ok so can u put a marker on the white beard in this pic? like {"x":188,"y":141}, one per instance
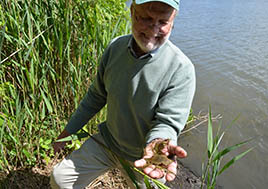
{"x":151,"y":45}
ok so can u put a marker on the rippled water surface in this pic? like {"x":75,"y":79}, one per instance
{"x":228,"y":43}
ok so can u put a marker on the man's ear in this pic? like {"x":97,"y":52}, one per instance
{"x":131,"y":9}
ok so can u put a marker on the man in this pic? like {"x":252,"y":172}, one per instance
{"x":148,"y":85}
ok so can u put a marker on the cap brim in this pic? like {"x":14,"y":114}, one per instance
{"x":171,"y":3}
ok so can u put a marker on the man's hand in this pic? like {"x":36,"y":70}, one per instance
{"x":168,"y":150}
{"x":58,"y":146}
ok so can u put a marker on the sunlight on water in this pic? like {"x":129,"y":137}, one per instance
{"x":228,"y":43}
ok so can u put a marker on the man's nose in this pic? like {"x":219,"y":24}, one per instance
{"x":155,"y":28}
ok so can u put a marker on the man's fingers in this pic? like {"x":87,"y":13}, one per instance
{"x":156,"y":174}
{"x":153,"y":172}
{"x":150,"y":170}
{"x":172,"y":171}
{"x":140,"y":163}
{"x":147,"y":170}
{"x":171,"y":151}
{"x":172,"y":167}
{"x":148,"y":151}
{"x":178,"y":151}
{"x":170,"y":177}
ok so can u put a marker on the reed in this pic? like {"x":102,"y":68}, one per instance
{"x":49,"y":52}
{"x":212,"y":169}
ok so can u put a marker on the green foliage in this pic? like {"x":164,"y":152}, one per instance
{"x":212,"y":169}
{"x":49,"y":52}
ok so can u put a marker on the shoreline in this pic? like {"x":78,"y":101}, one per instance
{"x":185,"y":179}
{"x":38,"y":177}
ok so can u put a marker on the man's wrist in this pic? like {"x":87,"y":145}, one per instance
{"x":154,"y":140}
{"x":64,"y":134}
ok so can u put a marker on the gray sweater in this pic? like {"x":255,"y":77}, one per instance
{"x":146,"y":98}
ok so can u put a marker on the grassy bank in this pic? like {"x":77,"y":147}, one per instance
{"x":49,"y":51}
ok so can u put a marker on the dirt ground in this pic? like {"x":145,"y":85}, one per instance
{"x":38,"y":178}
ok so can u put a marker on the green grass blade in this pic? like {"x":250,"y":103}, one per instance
{"x":231,"y":148}
{"x":28,"y":111}
{"x":218,"y":141}
{"x":160,"y":185}
{"x":156,"y":182}
{"x":147,"y":183}
{"x":2,"y":33}
{"x":127,"y":168}
{"x":48,"y":105}
{"x":210,"y":135}
{"x":2,"y":124}
{"x":77,"y":136}
{"x":67,"y":139}
{"x":232,"y":161}
{"x":114,"y":31}
{"x":216,"y":167}
{"x":27,"y":154}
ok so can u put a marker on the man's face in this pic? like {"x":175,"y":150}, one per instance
{"x":151,"y":25}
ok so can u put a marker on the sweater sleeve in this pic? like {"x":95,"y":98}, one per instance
{"x":174,"y":105}
{"x":92,"y":103}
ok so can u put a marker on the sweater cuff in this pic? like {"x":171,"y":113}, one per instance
{"x":163,"y":134}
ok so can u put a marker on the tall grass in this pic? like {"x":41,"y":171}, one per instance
{"x":49,"y":52}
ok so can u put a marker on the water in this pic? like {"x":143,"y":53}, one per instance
{"x":228,"y":43}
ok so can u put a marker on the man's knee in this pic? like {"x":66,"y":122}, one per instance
{"x":55,"y":178}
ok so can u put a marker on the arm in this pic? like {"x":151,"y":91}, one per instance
{"x":170,"y":117}
{"x":174,"y":106}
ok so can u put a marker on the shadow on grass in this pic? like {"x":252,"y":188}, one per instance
{"x":24,"y":178}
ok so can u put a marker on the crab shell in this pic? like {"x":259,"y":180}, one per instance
{"x":159,"y":146}
{"x":159,"y":160}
